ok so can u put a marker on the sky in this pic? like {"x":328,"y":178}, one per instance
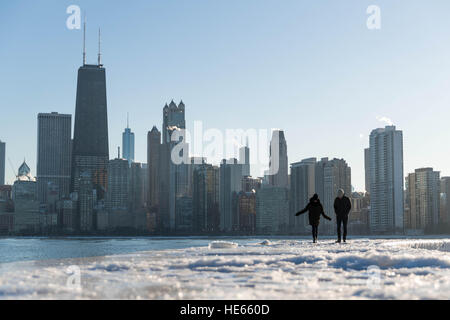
{"x":311,"y":68}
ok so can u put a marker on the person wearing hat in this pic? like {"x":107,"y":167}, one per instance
{"x":315,"y":210}
{"x":342,"y":207}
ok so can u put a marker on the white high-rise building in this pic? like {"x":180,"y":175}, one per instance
{"x":386,"y":180}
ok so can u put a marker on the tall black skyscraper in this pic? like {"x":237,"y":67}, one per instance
{"x":90,"y":151}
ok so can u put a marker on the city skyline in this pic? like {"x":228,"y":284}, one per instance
{"x":424,"y":130}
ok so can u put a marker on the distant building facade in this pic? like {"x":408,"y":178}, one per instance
{"x":246,"y":211}
{"x":386,"y":181}
{"x":423,"y":200}
{"x":26,"y":205}
{"x":331,"y":175}
{"x":278,"y":166}
{"x":128,"y":145}
{"x":230,"y":185}
{"x":302,"y":188}
{"x":54,"y":154}
{"x":272,"y":210}
{"x":153,"y":170}
{"x":172,"y":176}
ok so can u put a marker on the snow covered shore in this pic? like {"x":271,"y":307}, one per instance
{"x":276,"y":269}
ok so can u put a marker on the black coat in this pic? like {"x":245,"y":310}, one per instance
{"x":342,"y":206}
{"x":315,"y":209}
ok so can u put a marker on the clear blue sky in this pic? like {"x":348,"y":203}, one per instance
{"x":311,"y":68}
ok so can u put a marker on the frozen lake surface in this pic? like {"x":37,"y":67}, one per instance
{"x":245,"y":268}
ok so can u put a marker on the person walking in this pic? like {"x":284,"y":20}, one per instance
{"x":315,"y":210}
{"x":342,"y":207}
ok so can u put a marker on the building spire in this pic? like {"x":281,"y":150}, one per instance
{"x":84,"y":41}
{"x":128,"y":120}
{"x":99,"y":47}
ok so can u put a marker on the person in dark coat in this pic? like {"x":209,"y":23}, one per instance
{"x":342,"y":207}
{"x":315,"y":210}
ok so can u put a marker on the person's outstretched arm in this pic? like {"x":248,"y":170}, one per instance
{"x":325,"y":216}
{"x":303,"y":211}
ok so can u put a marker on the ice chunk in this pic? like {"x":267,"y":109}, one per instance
{"x":222,"y":245}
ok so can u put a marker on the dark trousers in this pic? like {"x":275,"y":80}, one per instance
{"x":342,"y":220}
{"x":315,"y":231}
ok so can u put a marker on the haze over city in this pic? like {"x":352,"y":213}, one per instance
{"x":314,"y":71}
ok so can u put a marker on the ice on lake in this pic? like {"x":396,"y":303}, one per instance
{"x":285,"y":269}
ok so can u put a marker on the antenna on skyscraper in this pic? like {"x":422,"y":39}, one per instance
{"x":128,"y":121}
{"x":84,"y":40}
{"x":99,"y":47}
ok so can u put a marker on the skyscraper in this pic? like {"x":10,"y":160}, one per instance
{"x":173,"y":117}
{"x":2,"y":162}
{"x":244,"y":159}
{"x":153,"y":171}
{"x":136,"y":187}
{"x":206,"y":198}
{"x":331,"y":175}
{"x":86,"y":196}
{"x":278,"y":167}
{"x":53,"y":154}
{"x":128,"y":144}
{"x":386,"y":180}
{"x":423,"y":200}
{"x":302,"y":188}
{"x":272,"y":209}
{"x":90,"y":151}
{"x":246,"y":211}
{"x":172,"y":176}
{"x":118,"y":195}
{"x":230,"y":183}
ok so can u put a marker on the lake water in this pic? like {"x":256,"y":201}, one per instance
{"x":26,"y":249}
